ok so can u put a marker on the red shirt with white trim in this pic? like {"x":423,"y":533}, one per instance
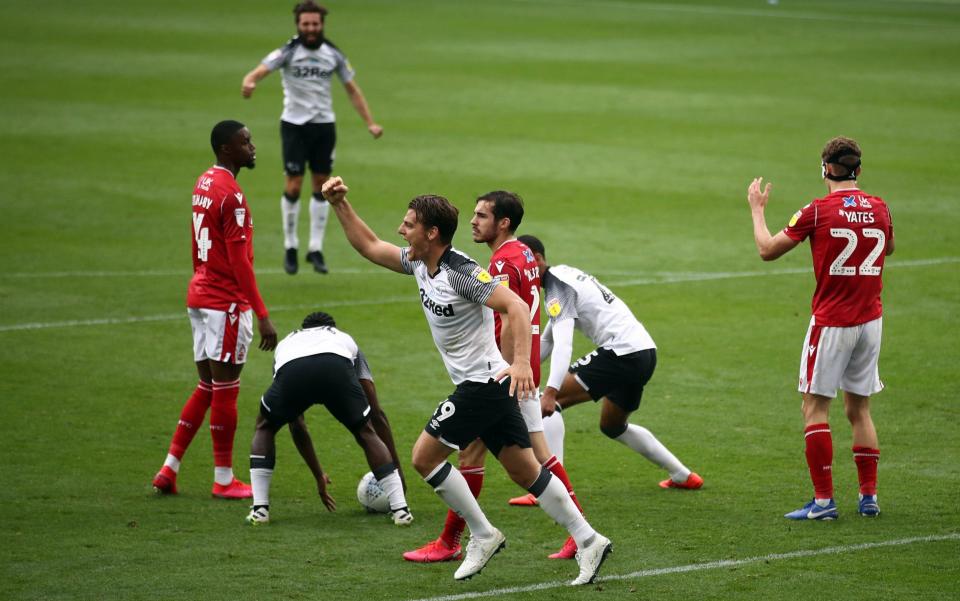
{"x":221,"y":215}
{"x":513,"y":266}
{"x":849,"y":233}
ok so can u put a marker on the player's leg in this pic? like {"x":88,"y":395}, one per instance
{"x":262,"y":463}
{"x":860,"y":380}
{"x":378,"y":418}
{"x":384,"y":470}
{"x":294,"y":166}
{"x":323,"y":138}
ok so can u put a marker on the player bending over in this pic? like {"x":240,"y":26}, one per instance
{"x":850,"y":233}
{"x":457,"y":296}
{"x":616,"y":371}
{"x":320,"y":364}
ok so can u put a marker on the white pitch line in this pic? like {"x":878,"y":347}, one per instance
{"x":670,"y":277}
{"x":698,"y":567}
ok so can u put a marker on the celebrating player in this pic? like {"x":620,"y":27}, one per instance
{"x":321,"y":364}
{"x":850,"y":233}
{"x":457,"y":296}
{"x":219,"y":300}
{"x":307,"y":126}
{"x":616,"y":371}
{"x":495,"y":220}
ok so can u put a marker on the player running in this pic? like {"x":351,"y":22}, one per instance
{"x":457,"y":296}
{"x":495,"y":221}
{"x":850,"y":233}
{"x":219,"y":300}
{"x":616,"y":371}
{"x":322,"y":364}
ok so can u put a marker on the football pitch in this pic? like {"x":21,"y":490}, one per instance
{"x":632,"y":130}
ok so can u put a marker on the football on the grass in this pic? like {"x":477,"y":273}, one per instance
{"x":371,"y":495}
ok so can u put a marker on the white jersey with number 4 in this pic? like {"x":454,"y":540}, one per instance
{"x":462,"y":326}
{"x":602,"y":317}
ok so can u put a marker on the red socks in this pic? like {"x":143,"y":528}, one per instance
{"x":556,"y":468}
{"x":453,"y":527}
{"x":223,"y":421}
{"x":191,"y":417}
{"x":867,"y":460}
{"x":819,"y":445}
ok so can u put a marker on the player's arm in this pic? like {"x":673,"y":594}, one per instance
{"x":251,"y":79}
{"x":507,"y":302}
{"x":506,"y":334}
{"x":561,"y":334}
{"x":378,"y":419}
{"x":358,"y":233}
{"x":359,"y":102}
{"x":304,"y":444}
{"x":769,"y":247}
{"x":546,"y":341}
{"x":247,"y":281}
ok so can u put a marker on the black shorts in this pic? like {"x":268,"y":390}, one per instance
{"x":311,"y":143}
{"x":619,"y":378}
{"x":326,"y":379}
{"x":480,"y":410}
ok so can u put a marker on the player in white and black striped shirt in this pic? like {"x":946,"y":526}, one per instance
{"x":458,"y":297}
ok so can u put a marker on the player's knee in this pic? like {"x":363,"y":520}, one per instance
{"x":613,"y":430}
{"x":291,"y":195}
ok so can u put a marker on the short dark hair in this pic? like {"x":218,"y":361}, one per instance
{"x":533,"y":243}
{"x":223,"y":132}
{"x":433,"y":210}
{"x":843,"y":152}
{"x":506,"y":205}
{"x":318,"y":319}
{"x":308,"y":6}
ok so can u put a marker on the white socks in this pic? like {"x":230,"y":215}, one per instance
{"x":318,"y":223}
{"x":557,"y":503}
{"x":290,"y":214}
{"x":173,"y":463}
{"x":223,"y":475}
{"x":260,"y":481}
{"x":644,"y":442}
{"x":554,"y":431}
{"x":391,"y":485}
{"x":456,"y":494}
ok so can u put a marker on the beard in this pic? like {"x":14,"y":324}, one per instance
{"x":311,"y":42}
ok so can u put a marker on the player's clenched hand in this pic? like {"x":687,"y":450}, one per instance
{"x":248,"y":88}
{"x":334,"y":190}
{"x":548,"y":401}
{"x":375,"y":130}
{"x":268,"y":334}
{"x":755,"y":197}
{"x":328,"y":501}
{"x":521,"y":378}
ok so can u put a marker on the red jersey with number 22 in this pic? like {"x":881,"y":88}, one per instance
{"x":220,"y":215}
{"x":513,"y":266}
{"x":849,"y":233}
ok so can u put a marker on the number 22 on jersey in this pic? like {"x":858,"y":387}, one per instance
{"x":202,"y":236}
{"x":867,"y":267}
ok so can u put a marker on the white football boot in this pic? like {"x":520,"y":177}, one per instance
{"x":591,"y":558}
{"x":402,"y":516}
{"x":259,"y":516}
{"x":479,"y":552}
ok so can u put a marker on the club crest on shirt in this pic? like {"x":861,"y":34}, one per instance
{"x":240,"y":215}
{"x":482,"y":275}
{"x":795,"y":218}
{"x":553,"y":307}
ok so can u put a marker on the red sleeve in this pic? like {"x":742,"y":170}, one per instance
{"x":243,"y":272}
{"x":234,"y":217}
{"x":508,"y":274}
{"x":802,"y":223}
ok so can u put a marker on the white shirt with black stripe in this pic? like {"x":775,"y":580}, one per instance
{"x":602,"y":317}
{"x":307,"y":74}
{"x":461,"y":325}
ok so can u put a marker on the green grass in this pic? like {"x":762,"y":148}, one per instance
{"x":632,"y":130}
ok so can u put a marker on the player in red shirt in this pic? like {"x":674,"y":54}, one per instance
{"x":221,"y":297}
{"x":850,"y":233}
{"x":495,"y":221}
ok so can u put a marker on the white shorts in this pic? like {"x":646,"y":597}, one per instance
{"x":844,"y":358}
{"x":530,"y":409}
{"x":223,"y":336}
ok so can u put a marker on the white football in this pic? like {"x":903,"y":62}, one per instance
{"x":371,"y":495}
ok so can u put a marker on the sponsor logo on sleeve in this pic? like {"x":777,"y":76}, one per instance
{"x":499,"y":265}
{"x":553,"y":307}
{"x":239,"y":196}
{"x":482,"y":275}
{"x":795,"y":218}
{"x":504,"y":280}
{"x":241,"y":216}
